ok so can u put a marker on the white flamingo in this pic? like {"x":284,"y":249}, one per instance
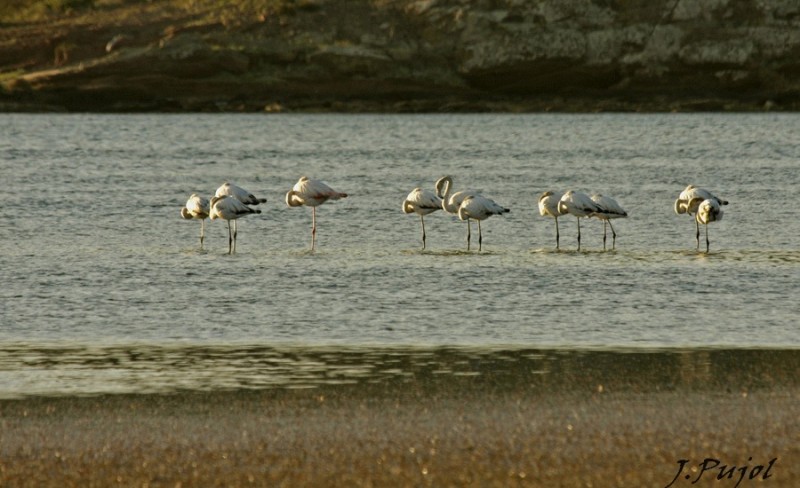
{"x":422,"y":202}
{"x":578,"y":204}
{"x":197,"y":207}
{"x":708,"y":211}
{"x":548,"y":207}
{"x":452,"y":202}
{"x":609,"y":209}
{"x":479,"y":208}
{"x":229,"y":208}
{"x":311,"y":193}
{"x":688,"y":202}
{"x":239,"y":193}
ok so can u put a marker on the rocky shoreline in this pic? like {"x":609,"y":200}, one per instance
{"x":407,"y":56}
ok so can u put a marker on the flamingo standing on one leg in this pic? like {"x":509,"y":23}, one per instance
{"x":422,"y":202}
{"x":578,"y":204}
{"x":708,"y":211}
{"x":229,"y":208}
{"x":239,"y":193}
{"x":479,"y":208}
{"x":548,"y":207}
{"x":609,"y":209}
{"x":452,"y":202}
{"x":688,"y":201}
{"x":311,"y":193}
{"x":197,"y":207}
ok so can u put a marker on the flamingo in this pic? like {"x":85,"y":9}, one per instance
{"x":197,"y":207}
{"x":451,"y":203}
{"x":312,"y":193}
{"x":479,"y":208}
{"x":578,"y":204}
{"x":239,"y":193}
{"x":688,"y":202}
{"x":708,"y":210}
{"x":422,"y":202}
{"x":609,"y":209}
{"x":229,"y":208}
{"x":548,"y":206}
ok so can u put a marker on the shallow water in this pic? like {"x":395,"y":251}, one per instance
{"x":79,"y":370}
{"x":95,"y":255}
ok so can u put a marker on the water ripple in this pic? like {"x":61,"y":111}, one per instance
{"x":34,"y":370}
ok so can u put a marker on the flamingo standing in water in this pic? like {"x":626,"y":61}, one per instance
{"x":229,"y":208}
{"x":609,"y":209}
{"x":452,"y":202}
{"x":422,"y":202}
{"x":479,"y":208}
{"x":688,"y":202}
{"x":197,"y":207}
{"x":548,"y":207}
{"x":311,"y":193}
{"x":239,"y":193}
{"x":578,"y":204}
{"x":708,"y":211}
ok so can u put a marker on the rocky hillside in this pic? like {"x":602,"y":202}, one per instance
{"x":402,"y":55}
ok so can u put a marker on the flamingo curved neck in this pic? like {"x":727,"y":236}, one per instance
{"x":443,"y":190}
{"x":293,"y":199}
{"x":680,"y":206}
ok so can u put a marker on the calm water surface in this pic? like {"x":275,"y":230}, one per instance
{"x":95,"y":257}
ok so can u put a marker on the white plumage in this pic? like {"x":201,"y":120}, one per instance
{"x":578,"y":204}
{"x":689,"y":200}
{"x":548,"y":207}
{"x":228,"y":208}
{"x":422,"y":202}
{"x":479,"y":208}
{"x":232,"y":190}
{"x":708,"y":211}
{"x":452,"y":202}
{"x":608,"y":209}
{"x":238,"y":193}
{"x":197,"y":207}
{"x":311,"y":193}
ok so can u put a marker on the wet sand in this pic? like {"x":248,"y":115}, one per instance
{"x":621,"y":420}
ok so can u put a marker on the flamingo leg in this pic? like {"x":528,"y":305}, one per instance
{"x":480,"y":237}
{"x":707,"y":243}
{"x":230,"y":239}
{"x":313,"y":226}
{"x":202,"y":231}
{"x":422,"y":221}
{"x":613,"y":235}
{"x":469,"y":231}
{"x":557,"y":236}
{"x":235,"y":234}
{"x":697,"y":235}
{"x":579,"y":233}
{"x":604,"y":234}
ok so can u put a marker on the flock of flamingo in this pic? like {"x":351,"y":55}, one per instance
{"x":231,"y":202}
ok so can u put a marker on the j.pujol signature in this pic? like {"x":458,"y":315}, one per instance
{"x":711,"y":467}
